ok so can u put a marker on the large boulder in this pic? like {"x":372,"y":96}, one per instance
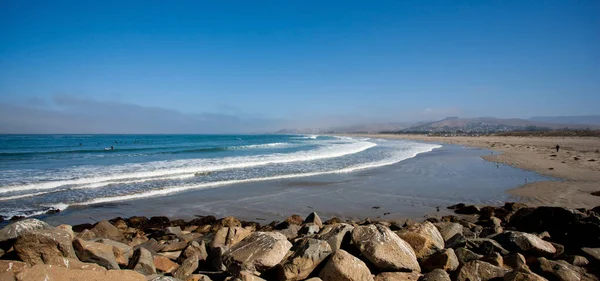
{"x":42,"y":272}
{"x":257,"y":252}
{"x":465,"y":255}
{"x":8,"y":269}
{"x":424,"y":238}
{"x":384,"y":248}
{"x":561,"y":270}
{"x":307,"y":256}
{"x":142,"y":262}
{"x":105,"y":229}
{"x":342,"y":266}
{"x":338,"y":234}
{"x":398,"y":276}
{"x":99,"y":253}
{"x":525,"y":243}
{"x":13,"y":230}
{"x":35,"y":246}
{"x":445,"y":260}
{"x":479,"y":270}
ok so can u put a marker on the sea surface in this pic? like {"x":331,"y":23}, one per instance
{"x":39,"y":173}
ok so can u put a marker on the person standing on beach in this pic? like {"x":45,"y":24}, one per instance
{"x":557,"y":147}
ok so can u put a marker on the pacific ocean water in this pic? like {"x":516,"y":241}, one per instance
{"x":44,"y":172}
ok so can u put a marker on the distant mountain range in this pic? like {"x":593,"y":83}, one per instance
{"x":588,"y":119}
{"x":453,"y":124}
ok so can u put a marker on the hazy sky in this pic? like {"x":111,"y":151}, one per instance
{"x":218,"y":66}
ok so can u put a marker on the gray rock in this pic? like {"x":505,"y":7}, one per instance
{"x":384,"y":248}
{"x":291,"y":232}
{"x":479,"y":270}
{"x":342,"y":266}
{"x":35,"y":246}
{"x":592,"y":253}
{"x":336,"y":236}
{"x":186,"y":268}
{"x":257,"y":252}
{"x":105,"y":229}
{"x":142,"y":262}
{"x":456,"y":241}
{"x":162,"y":278}
{"x":306,"y":257}
{"x":575,"y":260}
{"x":449,"y":229}
{"x":485,"y":246}
{"x":98,"y":253}
{"x":13,"y":230}
{"x":525,"y":243}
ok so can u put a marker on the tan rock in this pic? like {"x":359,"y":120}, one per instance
{"x":42,"y":272}
{"x":121,"y":251}
{"x":142,"y":262}
{"x":398,"y":276}
{"x":307,"y":256}
{"x":198,"y":277}
{"x":73,"y":264}
{"x":194,"y":248}
{"x":105,"y":229}
{"x":424,"y":238}
{"x":436,"y":275}
{"x":68,"y":229}
{"x":86,"y":234}
{"x":338,"y":233}
{"x":186,"y":268}
{"x":314,"y":218}
{"x":523,"y":274}
{"x":173,"y":246}
{"x":342,"y":266}
{"x":164,"y":264}
{"x":257,"y":252}
{"x":384,"y":248}
{"x":95,"y":252}
{"x":8,"y":269}
{"x":525,"y":243}
{"x":445,"y":260}
{"x":229,"y":236}
{"x":449,"y":229}
{"x":35,"y":246}
{"x":479,"y":270}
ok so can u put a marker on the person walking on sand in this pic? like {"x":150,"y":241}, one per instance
{"x":557,"y":147}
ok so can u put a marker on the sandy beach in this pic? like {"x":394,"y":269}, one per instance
{"x":577,"y":164}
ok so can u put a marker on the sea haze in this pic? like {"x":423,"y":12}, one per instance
{"x":43,"y":172}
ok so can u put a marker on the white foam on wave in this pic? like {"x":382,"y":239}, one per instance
{"x":191,"y":166}
{"x":24,"y":195}
{"x":400,"y":156}
{"x":265,"y":145}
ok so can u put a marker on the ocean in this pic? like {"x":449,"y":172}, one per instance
{"x":39,"y":173}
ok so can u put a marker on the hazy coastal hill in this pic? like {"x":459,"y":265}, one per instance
{"x":587,"y":120}
{"x":491,"y":124}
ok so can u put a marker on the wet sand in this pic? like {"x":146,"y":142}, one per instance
{"x":408,"y":189}
{"x":577,"y":164}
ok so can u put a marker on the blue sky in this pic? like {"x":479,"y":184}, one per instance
{"x":303,"y":63}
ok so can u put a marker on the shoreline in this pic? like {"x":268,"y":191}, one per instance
{"x":577,"y":164}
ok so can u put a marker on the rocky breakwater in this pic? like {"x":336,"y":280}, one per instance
{"x":512,"y":242}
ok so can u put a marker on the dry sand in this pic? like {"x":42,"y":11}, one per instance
{"x":577,"y":165}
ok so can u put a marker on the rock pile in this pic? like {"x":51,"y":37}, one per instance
{"x":512,"y":243}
